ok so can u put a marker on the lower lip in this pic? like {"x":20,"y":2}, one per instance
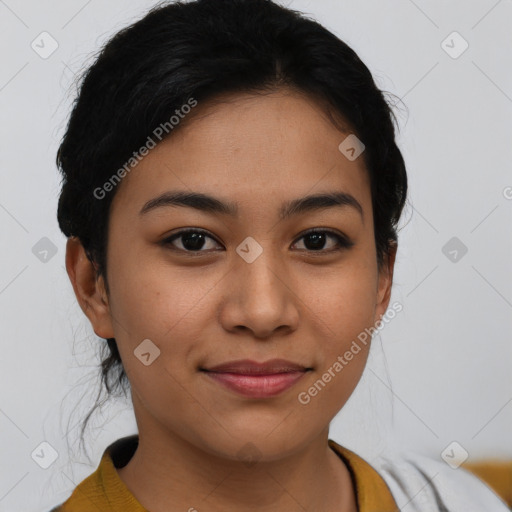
{"x":257,"y":386}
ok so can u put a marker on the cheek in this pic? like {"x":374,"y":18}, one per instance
{"x":343,"y":299}
{"x":166,"y":306}
{"x":342,"y":308}
{"x":152,"y":298}
{"x":166,"y":309}
{"x":342,"y":348}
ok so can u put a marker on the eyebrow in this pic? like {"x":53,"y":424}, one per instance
{"x":210,"y":204}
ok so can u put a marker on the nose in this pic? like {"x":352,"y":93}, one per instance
{"x":262,"y":298}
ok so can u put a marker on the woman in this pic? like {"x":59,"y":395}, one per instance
{"x":231,"y":193}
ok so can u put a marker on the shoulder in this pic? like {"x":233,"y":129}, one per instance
{"x":104,"y":487}
{"x":419,"y":481}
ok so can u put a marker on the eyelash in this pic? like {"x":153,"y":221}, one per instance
{"x":343,"y":242}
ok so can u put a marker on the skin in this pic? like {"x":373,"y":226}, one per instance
{"x":292,"y":302}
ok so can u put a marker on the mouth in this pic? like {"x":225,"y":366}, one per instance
{"x":257,"y":380}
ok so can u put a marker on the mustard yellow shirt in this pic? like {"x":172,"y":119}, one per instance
{"x":104,"y":490}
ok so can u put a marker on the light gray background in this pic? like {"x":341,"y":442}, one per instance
{"x":447,"y":355}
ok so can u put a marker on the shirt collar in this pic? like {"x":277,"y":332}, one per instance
{"x":372,"y":493}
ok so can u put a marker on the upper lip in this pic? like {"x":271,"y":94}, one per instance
{"x":246,"y":366}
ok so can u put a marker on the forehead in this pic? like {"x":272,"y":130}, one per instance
{"x":252,"y":148}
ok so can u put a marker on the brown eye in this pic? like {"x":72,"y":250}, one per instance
{"x":192,"y":240}
{"x":315,"y":240}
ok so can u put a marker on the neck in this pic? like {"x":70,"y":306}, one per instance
{"x":169,"y":470}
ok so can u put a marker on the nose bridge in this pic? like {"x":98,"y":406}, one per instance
{"x":260,"y":266}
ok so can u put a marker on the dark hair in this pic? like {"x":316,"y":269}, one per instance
{"x":202,"y":49}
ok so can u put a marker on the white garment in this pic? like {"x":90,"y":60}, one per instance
{"x":421,"y":484}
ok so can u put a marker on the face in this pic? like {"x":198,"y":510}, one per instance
{"x":247,"y":284}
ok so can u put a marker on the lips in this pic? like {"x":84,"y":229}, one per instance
{"x":257,"y":380}
{"x":249,"y":367}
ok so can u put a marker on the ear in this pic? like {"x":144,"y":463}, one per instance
{"x":89,"y":289}
{"x":385,"y":282}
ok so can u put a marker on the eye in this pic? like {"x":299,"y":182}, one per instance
{"x":193,"y":240}
{"x":315,"y":240}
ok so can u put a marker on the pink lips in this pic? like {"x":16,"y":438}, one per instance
{"x":257,"y":380}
